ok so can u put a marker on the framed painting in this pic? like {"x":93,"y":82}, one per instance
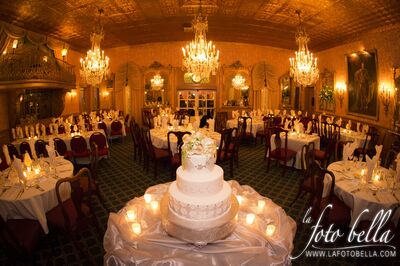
{"x":362,"y":80}
{"x":327,"y":81}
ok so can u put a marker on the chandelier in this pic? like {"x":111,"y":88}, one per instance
{"x":94,"y":68}
{"x":157,"y":82}
{"x":238,"y":82}
{"x":303,"y":67}
{"x":200,"y":57}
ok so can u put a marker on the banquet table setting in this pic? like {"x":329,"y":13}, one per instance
{"x":35,"y":196}
{"x":257,"y":125}
{"x":159,"y":137}
{"x":296,"y":141}
{"x":135,"y":234}
{"x":354,"y":136}
{"x":352,"y":186}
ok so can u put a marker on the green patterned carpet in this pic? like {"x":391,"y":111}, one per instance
{"x":121,"y":179}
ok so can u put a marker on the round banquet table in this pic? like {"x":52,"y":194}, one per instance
{"x":159,"y":137}
{"x":247,"y":245}
{"x":358,"y":196}
{"x":39,"y":195}
{"x":258,"y":124}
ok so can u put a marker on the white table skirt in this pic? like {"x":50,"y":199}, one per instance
{"x":33,"y":203}
{"x":352,"y":136}
{"x":159,"y":138}
{"x":247,"y":245}
{"x":258,"y":124}
{"x":346,"y":185}
{"x":296,"y":143}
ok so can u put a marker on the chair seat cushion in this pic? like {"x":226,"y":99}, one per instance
{"x":339,"y":214}
{"x":116,"y":133}
{"x":103,"y":151}
{"x":85,"y":153}
{"x":160,"y":153}
{"x":175,"y":160}
{"x":55,"y":216}
{"x":319,"y":155}
{"x":280,"y":154}
{"x":27,"y":232}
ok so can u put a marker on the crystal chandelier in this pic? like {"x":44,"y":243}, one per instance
{"x":94,"y":68}
{"x":238,"y":82}
{"x":303,"y":67}
{"x":200,"y":57}
{"x":157,"y":82}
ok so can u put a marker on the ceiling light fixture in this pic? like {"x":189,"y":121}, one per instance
{"x":303,"y":67}
{"x":157,"y":82}
{"x":94,"y":68}
{"x":200,"y":58}
{"x":238,"y":82}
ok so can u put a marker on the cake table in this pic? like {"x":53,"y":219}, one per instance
{"x":265,"y":241}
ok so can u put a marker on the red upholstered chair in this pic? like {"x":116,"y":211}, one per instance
{"x":245,"y":122}
{"x":268,"y":122}
{"x":3,"y":164}
{"x":79,"y":147}
{"x":61,"y":129}
{"x":330,"y":136}
{"x":24,"y":147}
{"x":281,"y":153}
{"x":226,"y":149}
{"x":74,"y":214}
{"x":40,"y":148}
{"x":103,"y":126}
{"x":12,"y":151}
{"x":101,"y":143}
{"x":116,"y":130}
{"x":175,"y":157}
{"x":19,"y":238}
{"x":339,"y":214}
{"x":152,"y":153}
{"x":137,"y":140}
{"x":61,"y":148}
{"x":94,"y":165}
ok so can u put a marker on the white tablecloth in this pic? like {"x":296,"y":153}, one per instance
{"x":296,"y":143}
{"x":357,"y":196}
{"x":247,"y":245}
{"x":33,"y":203}
{"x":159,"y":138}
{"x":346,"y":135}
{"x":258,"y":124}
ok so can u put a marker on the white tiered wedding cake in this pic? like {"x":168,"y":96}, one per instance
{"x":201,"y":207}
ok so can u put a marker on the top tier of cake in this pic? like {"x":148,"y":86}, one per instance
{"x":198,"y":153}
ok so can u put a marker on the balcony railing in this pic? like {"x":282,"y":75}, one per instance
{"x":27,"y":67}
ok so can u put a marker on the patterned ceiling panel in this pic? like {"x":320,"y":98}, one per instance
{"x":274,"y":22}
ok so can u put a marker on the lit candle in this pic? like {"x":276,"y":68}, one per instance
{"x":36,"y":170}
{"x":28,"y":169}
{"x":261,"y":205}
{"x":147,"y":198}
{"x":362,"y":172}
{"x":239,"y":199}
{"x":250,"y":217}
{"x":154,"y":205}
{"x":136,"y":228}
{"x":270,"y":230}
{"x":131,"y":215}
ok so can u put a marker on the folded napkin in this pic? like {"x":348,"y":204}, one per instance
{"x":17,"y":165}
{"x":43,"y":127}
{"x":378,"y":149}
{"x":37,"y":128}
{"x":365,"y":129}
{"x":75,"y":128}
{"x":51,"y":151}
{"x":164,"y":121}
{"x":175,"y":124}
{"x":27,"y":159}
{"x":371,"y":164}
{"x":348,"y":150}
{"x":299,"y":113}
{"x":320,"y":119}
{"x":32,"y":131}
{"x":244,"y":113}
{"x":292,"y":113}
{"x":348,"y":126}
{"x":284,"y":113}
{"x":211,"y":123}
{"x":328,"y":120}
{"x":313,"y":116}
{"x":14,"y":136}
{"x":287,"y":124}
{"x":339,"y":122}
{"x":26,"y":131}
{"x":306,"y":114}
{"x":358,"y":127}
{"x":32,"y":146}
{"x":20,"y":133}
{"x":6,"y":154}
{"x":156,"y":120}
{"x":309,"y":127}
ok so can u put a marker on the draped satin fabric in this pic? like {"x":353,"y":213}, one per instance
{"x":247,"y":245}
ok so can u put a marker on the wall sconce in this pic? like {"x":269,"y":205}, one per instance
{"x":385,"y":97}
{"x":105,"y":93}
{"x":340,"y":91}
{"x":14,"y":45}
{"x":64,"y":53}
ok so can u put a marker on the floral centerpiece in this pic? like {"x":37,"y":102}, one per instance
{"x":326,"y":94}
{"x":198,"y":150}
